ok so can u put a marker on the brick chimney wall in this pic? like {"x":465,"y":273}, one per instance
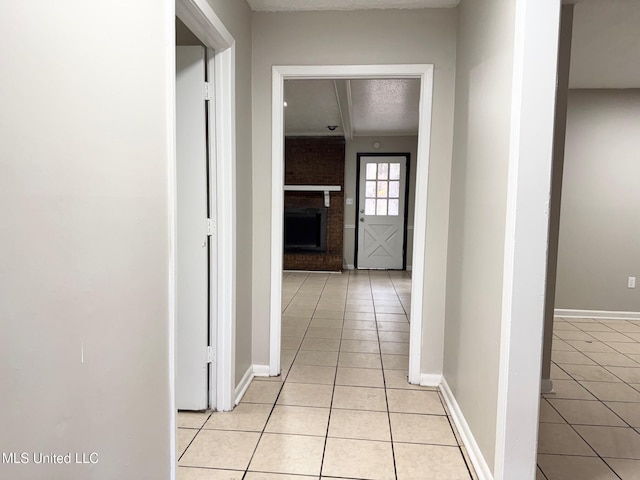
{"x":316,"y":161}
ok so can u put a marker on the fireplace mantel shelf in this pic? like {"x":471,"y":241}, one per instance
{"x":315,"y":188}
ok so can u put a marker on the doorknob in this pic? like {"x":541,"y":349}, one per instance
{"x":362,"y":219}
{"x":362,"y":210}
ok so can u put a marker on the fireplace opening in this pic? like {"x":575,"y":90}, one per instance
{"x":305,"y":229}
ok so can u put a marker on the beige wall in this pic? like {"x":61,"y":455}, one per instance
{"x":605,"y":44}
{"x":478,"y":213}
{"x":84,"y":158}
{"x":236,"y":17}
{"x":599,"y":219}
{"x":330,"y":38}
{"x":398,"y":144}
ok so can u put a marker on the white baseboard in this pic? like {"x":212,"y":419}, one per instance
{"x":244,"y":384}
{"x":469,"y":441}
{"x":348,"y":267}
{"x":261,"y":370}
{"x":430,"y":380}
{"x":608,"y":315}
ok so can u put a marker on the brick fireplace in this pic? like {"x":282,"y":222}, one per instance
{"x":316,"y":161}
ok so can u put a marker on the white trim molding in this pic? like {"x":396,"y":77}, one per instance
{"x":243,"y":384}
{"x":261,"y":370}
{"x":593,"y":314}
{"x":172,"y":193}
{"x":204,"y":23}
{"x":434,"y":342}
{"x":277,"y":207}
{"x":430,"y":380}
{"x":424,"y":72}
{"x":477,"y":459}
{"x":225,"y":128}
{"x":533,"y":93}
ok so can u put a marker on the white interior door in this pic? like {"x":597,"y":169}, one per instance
{"x":192,"y":267}
{"x":381,"y":217}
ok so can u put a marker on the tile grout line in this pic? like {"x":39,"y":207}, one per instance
{"x":275,"y":402}
{"x":602,"y":402}
{"x":456,"y":436}
{"x":597,"y":399}
{"x":597,"y":455}
{"x":384,"y":381}
{"x":335,"y":377}
{"x":294,"y":295}
{"x":578,"y":433}
{"x":194,"y":437}
{"x":605,"y":343}
{"x":572,"y":378}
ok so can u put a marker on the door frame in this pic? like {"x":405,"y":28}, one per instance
{"x":405,"y":225}
{"x":423,"y":72}
{"x":200,"y":18}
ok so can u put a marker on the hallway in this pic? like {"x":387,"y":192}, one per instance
{"x":342,"y":408}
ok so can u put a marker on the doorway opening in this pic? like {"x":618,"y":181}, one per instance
{"x":424,"y":73}
{"x":204,"y":28}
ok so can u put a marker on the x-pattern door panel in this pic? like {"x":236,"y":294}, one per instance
{"x":382,"y":186}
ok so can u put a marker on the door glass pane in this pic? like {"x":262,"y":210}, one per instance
{"x":394,"y":189}
{"x":370,"y":189}
{"x":383,"y":171}
{"x":394,"y":171}
{"x":371,"y":171}
{"x":370,"y":206}
{"x":381,"y":207}
{"x":382,"y":189}
{"x":394,"y":203}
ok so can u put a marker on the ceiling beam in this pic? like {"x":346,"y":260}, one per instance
{"x":343,"y":97}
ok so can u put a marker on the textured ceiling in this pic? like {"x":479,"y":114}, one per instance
{"x":311,"y":5}
{"x":376,"y":107}
{"x":385,"y":106}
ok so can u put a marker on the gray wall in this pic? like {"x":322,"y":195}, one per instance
{"x":398,"y":144}
{"x":236,"y":16}
{"x":600,"y":214}
{"x":605,"y":44}
{"x":329,"y":38}
{"x":478,"y":212}
{"x":84,"y":158}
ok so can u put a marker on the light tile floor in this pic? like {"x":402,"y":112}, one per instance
{"x":590,"y":427}
{"x":342,"y":408}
